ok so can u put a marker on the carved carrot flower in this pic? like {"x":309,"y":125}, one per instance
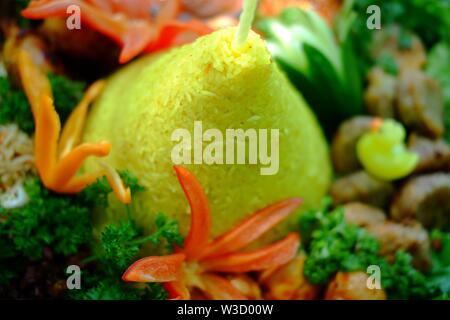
{"x":129,"y":23}
{"x":199,"y":263}
{"x":59,"y":157}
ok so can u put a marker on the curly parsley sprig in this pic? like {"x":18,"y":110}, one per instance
{"x":332,"y":245}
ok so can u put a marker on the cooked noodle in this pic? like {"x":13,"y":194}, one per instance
{"x":16,"y":156}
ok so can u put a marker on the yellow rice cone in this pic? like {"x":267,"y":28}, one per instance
{"x":208,"y":81}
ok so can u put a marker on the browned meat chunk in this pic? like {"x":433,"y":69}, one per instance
{"x":388,"y":42}
{"x":425,"y":198}
{"x":343,"y":148}
{"x":411,"y":237}
{"x":352,"y":286}
{"x":363,"y":215}
{"x":434,"y":154}
{"x":361,"y":187}
{"x":420,"y":103}
{"x":380,"y":94}
{"x":288,"y":282}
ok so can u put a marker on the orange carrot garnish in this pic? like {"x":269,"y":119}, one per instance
{"x":73,"y":128}
{"x":202,"y":261}
{"x":201,"y":216}
{"x":176,"y":290}
{"x":170,"y":34}
{"x":251,"y":229}
{"x":155,"y":269}
{"x":273,"y":255}
{"x":219,"y":288}
{"x":130,"y":25}
{"x":376,"y":124}
{"x":58,"y":160}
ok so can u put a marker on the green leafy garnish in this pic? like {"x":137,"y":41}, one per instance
{"x":99,"y":191}
{"x":9,"y":260}
{"x":16,"y":109}
{"x":320,"y":66}
{"x":47,"y":220}
{"x":332,"y":245}
{"x":166,"y":230}
{"x":440,"y":270}
{"x":430,"y":20}
{"x":438,"y":67}
{"x":114,"y":289}
{"x":119,"y":247}
{"x":67,"y":93}
{"x":402,"y":281}
{"x":19,"y":6}
{"x":414,"y":16}
{"x":63,"y":225}
{"x":131,"y":181}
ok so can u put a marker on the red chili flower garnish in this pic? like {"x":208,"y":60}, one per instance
{"x":128,"y":23}
{"x":197,"y":265}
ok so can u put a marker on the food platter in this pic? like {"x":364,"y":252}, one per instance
{"x":225,"y":150}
